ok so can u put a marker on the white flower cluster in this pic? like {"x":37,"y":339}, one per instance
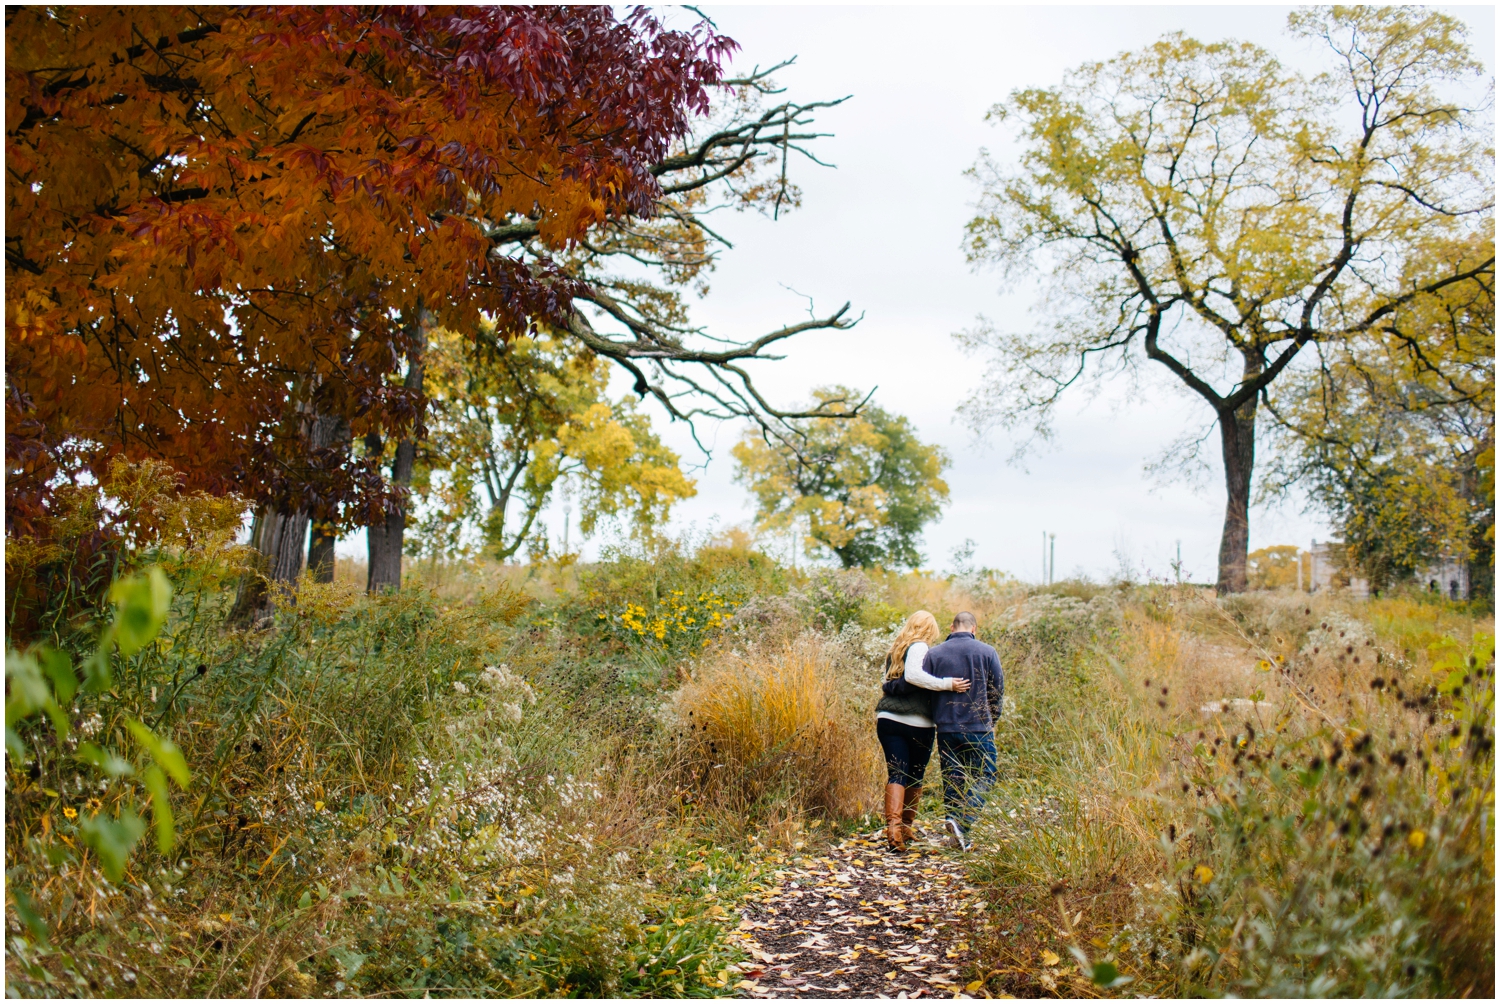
{"x":288,"y":801}
{"x":864,"y":644}
{"x":572,"y":792}
{"x":1338,"y":632}
{"x":1066,"y":611}
{"x":498,"y":678}
{"x":503,"y":682}
{"x":473,"y":816}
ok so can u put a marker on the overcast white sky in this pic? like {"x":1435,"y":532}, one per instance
{"x":882,"y":231}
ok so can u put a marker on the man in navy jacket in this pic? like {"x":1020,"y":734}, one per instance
{"x":966,"y":722}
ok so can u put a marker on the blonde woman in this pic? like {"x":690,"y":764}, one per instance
{"x":903,"y":722}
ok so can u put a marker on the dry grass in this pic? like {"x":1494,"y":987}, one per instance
{"x":459,"y":582}
{"x":788,"y":725}
{"x":371,"y":812}
{"x":374,"y":813}
{"x":1119,"y":785}
{"x":989,"y":599}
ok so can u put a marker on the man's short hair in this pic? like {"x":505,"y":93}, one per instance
{"x":964,"y":621}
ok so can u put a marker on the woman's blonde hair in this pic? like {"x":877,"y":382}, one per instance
{"x":920,"y":626}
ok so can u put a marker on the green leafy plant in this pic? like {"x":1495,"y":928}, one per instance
{"x":42,"y":682}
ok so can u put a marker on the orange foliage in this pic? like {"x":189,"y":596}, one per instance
{"x":214,"y":227}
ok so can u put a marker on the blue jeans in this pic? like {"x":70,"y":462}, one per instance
{"x":969,"y":769}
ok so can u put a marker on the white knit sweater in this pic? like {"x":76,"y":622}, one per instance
{"x":918,"y":678}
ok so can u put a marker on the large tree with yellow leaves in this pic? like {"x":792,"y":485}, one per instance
{"x":1199,"y":207}
{"x":514,"y":423}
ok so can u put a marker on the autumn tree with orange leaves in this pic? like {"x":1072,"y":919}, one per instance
{"x":226,"y":238}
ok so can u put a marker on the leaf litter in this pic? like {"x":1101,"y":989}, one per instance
{"x":865,"y":922}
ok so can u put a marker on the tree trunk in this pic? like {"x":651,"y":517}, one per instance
{"x":327,"y":430}
{"x":387,"y":539}
{"x":277,"y":540}
{"x":1237,"y":435}
{"x":320,"y":556}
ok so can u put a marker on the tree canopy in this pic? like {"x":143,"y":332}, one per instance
{"x":1394,"y":434}
{"x":1274,"y":567}
{"x":865,"y":484}
{"x":231,"y":233}
{"x":201,"y":212}
{"x":1200,"y":207}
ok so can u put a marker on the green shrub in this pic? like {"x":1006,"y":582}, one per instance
{"x":389,"y":795}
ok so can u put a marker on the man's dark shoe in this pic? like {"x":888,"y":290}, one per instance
{"x":958,"y":834}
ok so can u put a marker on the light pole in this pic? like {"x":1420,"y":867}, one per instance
{"x":1052,"y":559}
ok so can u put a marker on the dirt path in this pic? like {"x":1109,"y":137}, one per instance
{"x":865,"y":922}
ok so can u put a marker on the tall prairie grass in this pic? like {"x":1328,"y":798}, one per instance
{"x":494,"y":783}
{"x":1264,"y":795}
{"x":784,"y":729}
{"x":455,"y":790}
{"x":372,"y":811}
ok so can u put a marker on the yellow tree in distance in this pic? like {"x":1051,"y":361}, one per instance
{"x":1273,"y":567}
{"x":865,"y":483}
{"x":509,"y":421}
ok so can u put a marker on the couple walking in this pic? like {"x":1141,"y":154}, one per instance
{"x":952,"y":692}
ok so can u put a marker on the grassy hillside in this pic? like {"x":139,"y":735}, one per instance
{"x":560,"y":780}
{"x":1264,"y":795}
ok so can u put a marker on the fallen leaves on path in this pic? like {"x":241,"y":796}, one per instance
{"x":863,"y":921}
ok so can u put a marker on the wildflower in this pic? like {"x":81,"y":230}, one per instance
{"x":1416,"y":838}
{"x":460,"y":687}
{"x":70,"y":812}
{"x":1203,"y":874}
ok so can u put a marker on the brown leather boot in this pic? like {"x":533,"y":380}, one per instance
{"x":912,"y":797}
{"x":895,"y":799}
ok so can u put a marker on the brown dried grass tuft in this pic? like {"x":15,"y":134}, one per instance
{"x":787,"y":728}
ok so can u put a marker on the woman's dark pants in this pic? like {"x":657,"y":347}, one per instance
{"x":907,"y":750}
